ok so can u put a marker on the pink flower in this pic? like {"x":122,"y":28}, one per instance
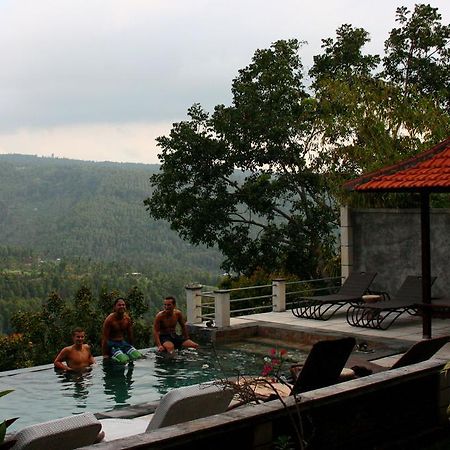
{"x":266,"y":370}
{"x":273,"y":352}
{"x":283,"y":352}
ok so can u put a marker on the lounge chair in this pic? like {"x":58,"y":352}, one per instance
{"x":61,"y":434}
{"x":322,"y":367}
{"x":383,"y":314}
{"x":177,"y":406}
{"x":419,"y":352}
{"x":323,"y":307}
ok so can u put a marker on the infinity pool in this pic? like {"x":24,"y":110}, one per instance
{"x":45,"y":394}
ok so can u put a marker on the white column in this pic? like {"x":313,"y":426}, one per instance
{"x":222,"y":308}
{"x":346,"y":242}
{"x":194,"y":303}
{"x":279,"y":295}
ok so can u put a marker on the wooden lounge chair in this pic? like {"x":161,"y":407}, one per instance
{"x":419,"y":352}
{"x":177,"y":406}
{"x":61,"y":434}
{"x":322,"y":367}
{"x":323,"y":307}
{"x":383,"y":314}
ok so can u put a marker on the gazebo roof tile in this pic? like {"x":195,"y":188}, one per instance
{"x":429,"y":170}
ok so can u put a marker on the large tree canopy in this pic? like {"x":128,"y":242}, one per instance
{"x":260,"y":178}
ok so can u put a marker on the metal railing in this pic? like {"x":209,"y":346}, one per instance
{"x":219,"y":305}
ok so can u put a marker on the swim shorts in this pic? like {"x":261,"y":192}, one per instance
{"x":176,"y":339}
{"x":122,"y":351}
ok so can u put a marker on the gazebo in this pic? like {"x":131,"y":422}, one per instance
{"x":425,"y":173}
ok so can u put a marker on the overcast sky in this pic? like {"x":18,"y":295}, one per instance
{"x":100,"y":79}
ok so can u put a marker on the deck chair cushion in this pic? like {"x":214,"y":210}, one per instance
{"x":61,"y":434}
{"x":179,"y":405}
{"x":190,"y":403}
{"x":324,"y":364}
{"x":421,"y":351}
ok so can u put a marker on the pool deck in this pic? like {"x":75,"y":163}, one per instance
{"x":408,"y":328}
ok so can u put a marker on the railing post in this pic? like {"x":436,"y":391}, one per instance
{"x":346,"y":241}
{"x":222,"y":308}
{"x":194,"y":303}
{"x":279,"y":295}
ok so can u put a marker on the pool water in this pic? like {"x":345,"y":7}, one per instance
{"x":41,"y":395}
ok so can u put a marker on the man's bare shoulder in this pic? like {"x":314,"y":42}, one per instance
{"x":67,"y":349}
{"x":109,"y":317}
{"x":160,"y":315}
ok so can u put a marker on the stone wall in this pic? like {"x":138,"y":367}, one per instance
{"x":388,"y":241}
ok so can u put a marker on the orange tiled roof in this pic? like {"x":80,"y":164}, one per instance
{"x":429,"y":170}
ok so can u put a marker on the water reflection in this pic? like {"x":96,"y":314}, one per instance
{"x":76,"y":384}
{"x":118,"y":381}
{"x":186,"y":367}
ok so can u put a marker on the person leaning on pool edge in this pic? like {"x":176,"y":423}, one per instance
{"x":164,"y":328}
{"x":76,"y":357}
{"x":115,"y":327}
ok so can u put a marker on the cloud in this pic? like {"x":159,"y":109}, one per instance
{"x":127,"y":142}
{"x":80,"y":64}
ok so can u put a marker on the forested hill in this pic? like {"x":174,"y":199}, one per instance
{"x":67,"y":208}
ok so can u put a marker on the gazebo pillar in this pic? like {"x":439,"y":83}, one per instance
{"x":426,"y":263}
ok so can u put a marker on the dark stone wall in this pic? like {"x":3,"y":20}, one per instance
{"x":388,"y":241}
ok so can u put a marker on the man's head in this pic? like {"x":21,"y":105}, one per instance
{"x":169,"y":303}
{"x":78,"y":336}
{"x":120,"y":305}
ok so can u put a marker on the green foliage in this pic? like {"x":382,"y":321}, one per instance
{"x":25,"y":281}
{"x":63,"y":208}
{"x":372,"y":120}
{"x":343,"y":58}
{"x":272,"y":214}
{"x":417,"y":54}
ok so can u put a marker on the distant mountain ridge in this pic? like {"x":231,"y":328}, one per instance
{"x":69,"y":208}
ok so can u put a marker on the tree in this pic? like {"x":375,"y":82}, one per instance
{"x":261,"y":178}
{"x":418,"y":55}
{"x":343,"y":58}
{"x":240,"y":178}
{"x":371,"y":120}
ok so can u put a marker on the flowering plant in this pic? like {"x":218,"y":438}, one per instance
{"x":273,"y":363}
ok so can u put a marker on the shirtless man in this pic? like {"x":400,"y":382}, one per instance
{"x":76,"y":357}
{"x":115,"y":327}
{"x":164,"y":328}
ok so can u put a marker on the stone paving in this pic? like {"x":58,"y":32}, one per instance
{"x":407,"y":328}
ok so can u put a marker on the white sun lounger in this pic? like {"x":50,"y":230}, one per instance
{"x":61,"y":434}
{"x":177,"y":406}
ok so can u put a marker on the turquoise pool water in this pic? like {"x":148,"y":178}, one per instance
{"x":45,"y":394}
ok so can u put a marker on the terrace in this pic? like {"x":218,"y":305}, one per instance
{"x":393,"y":406}
{"x":407,"y":403}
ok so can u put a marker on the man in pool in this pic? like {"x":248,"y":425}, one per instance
{"x":116,"y":327}
{"x":76,"y":357}
{"x":164,"y":328}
